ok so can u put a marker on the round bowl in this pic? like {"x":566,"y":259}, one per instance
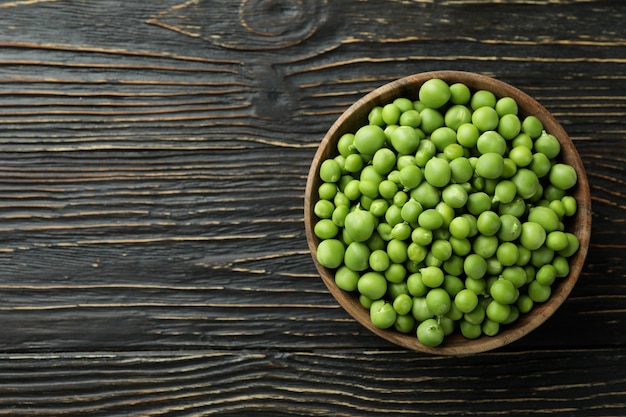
{"x":454,"y":344}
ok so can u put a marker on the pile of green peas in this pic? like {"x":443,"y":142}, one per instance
{"x":446,"y":213}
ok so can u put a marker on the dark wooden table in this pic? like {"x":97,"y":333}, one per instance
{"x":154,"y":155}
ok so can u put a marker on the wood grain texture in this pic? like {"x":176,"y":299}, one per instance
{"x":153,"y":158}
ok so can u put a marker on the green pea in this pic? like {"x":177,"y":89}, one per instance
{"x":391,"y":114}
{"x":405,"y":140}
{"x":516,"y":208}
{"x":540,"y":164}
{"x":410,"y":118}
{"x":454,"y":195}
{"x":360,"y":225}
{"x":447,"y":213}
{"x":532,"y":126}
{"x":466,"y":300}
{"x":523,"y":139}
{"x":521,"y":155}
{"x":515,"y":274}
{"x":570,"y":205}
{"x":459,"y":93}
{"x":475,"y":266}
{"x":432,"y":276}
{"x":415,"y":285}
{"x":441,"y":249}
{"x":442,"y":137}
{"x":485,"y":118}
{"x":384,"y":161}
{"x":488,"y":223}
{"x":491,"y":142}
{"x":477,"y":315}
{"x":353,"y":163}
{"x":327,"y":191}
{"x":572,"y":247}
{"x":431,"y":120}
{"x":323,"y":209}
{"x":477,"y":285}
{"x":430,"y":219}
{"x":403,"y":304}
{"x":382,"y":314}
{"x":453,"y":151}
{"x":430,"y":333}
{"x":356,"y":256}
{"x":509,"y":168}
{"x":393,"y":215}
{"x":461,"y":170}
{"x":397,"y":250}
{"x":437,"y":172}
{"x":503,"y":291}
{"x":563,"y":176}
{"x":510,"y":228}
{"x":339,"y":215}
{"x":561,"y":265}
{"x":538,"y":292}
{"x":369,"y":138}
{"x":330,"y":171}
{"x":470,"y":330}
{"x":482,"y":98}
{"x":379,"y":207}
{"x":545,"y":216}
{"x":404,"y":323}
{"x":506,"y":105}
{"x":526,"y":182}
{"x":546,"y":274}
{"x":505,"y":191}
{"x":497,"y":312}
{"x":434,"y":93}
{"x":485,"y":246}
{"x":411,"y":176}
{"x":459,"y":227}
{"x":411,"y":210}
{"x":509,"y":125}
{"x":376,"y":242}
{"x":438,"y":301}
{"x":422,"y":236}
{"x":490,"y":165}
{"x":490,"y":327}
{"x":457,"y":115}
{"x":387,"y":189}
{"x":365,"y":301}
{"x":507,"y":253}
{"x":401,"y":231}
{"x":548,"y":145}
{"x":345,"y":144}
{"x":326,"y":229}
{"x":426,"y":194}
{"x":346,"y":279}
{"x":372,"y":284}
{"x":396,"y":273}
{"x":400,"y":198}
{"x":478,"y":202}
{"x":532,"y":236}
{"x":524,"y":303}
{"x":330,"y":253}
{"x":454,"y":264}
{"x":352,"y":189}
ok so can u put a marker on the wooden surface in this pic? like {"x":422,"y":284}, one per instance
{"x":153,"y":260}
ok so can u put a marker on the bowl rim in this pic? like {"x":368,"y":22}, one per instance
{"x":580,"y":225}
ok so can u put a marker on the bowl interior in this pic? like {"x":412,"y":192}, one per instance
{"x":580,"y":225}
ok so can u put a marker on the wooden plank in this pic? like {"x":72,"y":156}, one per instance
{"x":309,"y":383}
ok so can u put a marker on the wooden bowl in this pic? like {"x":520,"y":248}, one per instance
{"x":455,"y":344}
